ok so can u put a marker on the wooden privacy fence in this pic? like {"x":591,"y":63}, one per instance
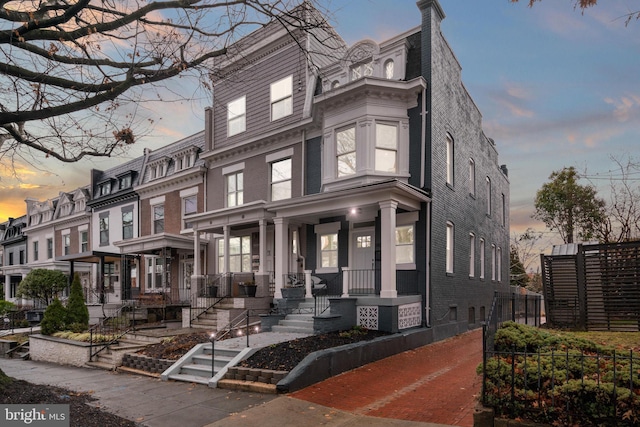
{"x":596,"y":289}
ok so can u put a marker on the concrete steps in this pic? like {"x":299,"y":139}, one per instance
{"x":111,"y":357}
{"x":197,"y":367}
{"x":299,"y":321}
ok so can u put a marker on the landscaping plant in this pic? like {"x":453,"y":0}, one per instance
{"x":54,"y":319}
{"x":77,"y":311}
{"x":556,"y":378}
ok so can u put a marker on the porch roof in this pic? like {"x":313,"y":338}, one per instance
{"x":93,"y":257}
{"x":154,"y":242}
{"x":341,"y":202}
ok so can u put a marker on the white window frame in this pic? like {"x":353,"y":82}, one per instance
{"x":84,"y":240}
{"x":156,"y":203}
{"x":103,"y":229}
{"x":154,"y":269}
{"x":283,"y":182}
{"x":66,"y":243}
{"x":450,"y":248}
{"x":237,"y":114}
{"x":282,"y":95}
{"x":472,"y":177}
{"x":325,"y":230}
{"x":241,"y":258}
{"x":380,"y":148}
{"x":488,"y":181}
{"x":499,"y":264}
{"x":493,"y":262}
{"x":340,"y":154}
{"x":482,"y":257}
{"x":36,"y":250}
{"x":472,"y":255}
{"x":407,"y":219}
{"x":234,"y":197}
{"x":450,"y":160}
{"x":389,"y":69}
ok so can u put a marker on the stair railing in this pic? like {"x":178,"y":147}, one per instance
{"x":116,"y":325}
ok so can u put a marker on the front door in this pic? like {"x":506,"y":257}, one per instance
{"x":362,"y":273}
{"x":185,"y":282}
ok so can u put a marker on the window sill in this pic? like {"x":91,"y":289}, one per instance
{"x":326,"y":270}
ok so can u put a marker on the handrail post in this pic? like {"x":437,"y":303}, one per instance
{"x":247,"y":328}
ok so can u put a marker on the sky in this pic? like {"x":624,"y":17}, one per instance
{"x":556,"y":87}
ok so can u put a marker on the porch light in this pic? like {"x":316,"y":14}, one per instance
{"x":355,"y":211}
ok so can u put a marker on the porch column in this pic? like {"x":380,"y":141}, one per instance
{"x":263,"y":246}
{"x":7,"y":287}
{"x":307,"y":284}
{"x":225,"y":267}
{"x":282,"y":253}
{"x":388,"y":249}
{"x":196,"y":253}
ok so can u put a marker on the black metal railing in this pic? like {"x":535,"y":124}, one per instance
{"x":111,"y":328}
{"x":553,"y":386}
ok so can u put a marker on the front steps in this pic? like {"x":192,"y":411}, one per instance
{"x":196,"y":365}
{"x":111,"y":357}
{"x":299,"y":321}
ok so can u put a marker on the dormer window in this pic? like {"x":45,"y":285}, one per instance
{"x":105,"y":189}
{"x":362,"y":70}
{"x":388,"y":69}
{"x":124,"y":182}
{"x":158,"y":169}
{"x":185,"y":159}
{"x":282,"y":98}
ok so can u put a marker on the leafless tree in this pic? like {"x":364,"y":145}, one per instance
{"x":74,"y":74}
{"x":622,"y":219}
{"x":584,"y":4}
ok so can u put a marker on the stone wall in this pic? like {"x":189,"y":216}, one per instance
{"x":57,"y":350}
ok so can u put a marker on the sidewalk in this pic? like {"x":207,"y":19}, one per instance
{"x":432,"y":384}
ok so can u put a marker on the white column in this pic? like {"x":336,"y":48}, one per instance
{"x":346,"y":275}
{"x":225,"y":267}
{"x":196,"y":254}
{"x":7,"y":287}
{"x":282,"y":253}
{"x":388,"y":249}
{"x":307,"y":284}
{"x":263,"y":246}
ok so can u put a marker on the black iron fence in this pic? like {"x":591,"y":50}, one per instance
{"x":565,"y":388}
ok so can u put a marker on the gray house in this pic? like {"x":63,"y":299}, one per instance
{"x":362,"y":168}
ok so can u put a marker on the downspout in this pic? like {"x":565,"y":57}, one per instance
{"x":427,"y":293}
{"x":423,"y":138}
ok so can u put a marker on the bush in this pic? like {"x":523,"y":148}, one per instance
{"x":561,"y":380}
{"x":77,"y":311}
{"x":54,"y":319}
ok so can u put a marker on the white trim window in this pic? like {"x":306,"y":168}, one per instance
{"x":472,"y":255}
{"x":236,"y":116}
{"x":104,"y":229}
{"x":488,"y":180}
{"x":346,"y":151}
{"x":84,"y":241}
{"x":388,"y":69}
{"x":189,"y":206}
{"x":499,"y":264}
{"x":35,"y":251}
{"x":493,"y":262}
{"x":234,"y":188}
{"x":239,"y":254}
{"x":386,"y":148}
{"x":282,"y":98}
{"x":281,"y":173}
{"x":449,"y":248}
{"x":66,"y":243}
{"x":158,"y":218}
{"x":329,"y":250}
{"x":157,"y":274}
{"x":472,"y":177}
{"x":482,"y":258}
{"x":127,"y":222}
{"x":405,"y":244}
{"x":449,"y":159}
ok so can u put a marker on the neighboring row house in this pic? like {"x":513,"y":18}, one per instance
{"x":365,"y":167}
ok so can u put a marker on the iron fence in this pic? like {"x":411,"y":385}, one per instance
{"x":568,"y":386}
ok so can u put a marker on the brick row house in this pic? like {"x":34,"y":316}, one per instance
{"x":361,"y":169}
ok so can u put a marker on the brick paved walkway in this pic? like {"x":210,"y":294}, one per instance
{"x":436,"y":383}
